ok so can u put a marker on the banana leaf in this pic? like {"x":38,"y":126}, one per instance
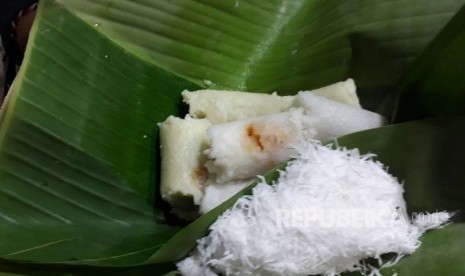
{"x":277,"y":45}
{"x":435,"y":86}
{"x":78,"y":150}
{"x":77,"y":154}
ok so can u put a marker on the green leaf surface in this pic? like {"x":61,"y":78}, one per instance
{"x":434,"y":85}
{"x":283,"y":45}
{"x":77,"y":149}
{"x":441,"y":253}
{"x":81,"y":244}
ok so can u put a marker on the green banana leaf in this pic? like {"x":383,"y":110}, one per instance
{"x":275,"y":45}
{"x":435,"y":86}
{"x":78,"y":150}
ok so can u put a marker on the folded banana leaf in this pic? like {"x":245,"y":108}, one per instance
{"x":276,"y":45}
{"x":78,"y":146}
{"x":434,"y":85}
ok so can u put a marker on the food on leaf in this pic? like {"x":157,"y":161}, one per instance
{"x":226,"y":106}
{"x":327,"y":212}
{"x":183,"y":143}
{"x":239,"y":135}
{"x":343,"y":91}
{"x":333,"y":119}
{"x":216,"y":193}
{"x":246,"y":148}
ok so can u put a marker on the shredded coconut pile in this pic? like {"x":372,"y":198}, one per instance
{"x":329,"y":210}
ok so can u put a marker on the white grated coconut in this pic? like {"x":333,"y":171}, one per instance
{"x":328,"y":210}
